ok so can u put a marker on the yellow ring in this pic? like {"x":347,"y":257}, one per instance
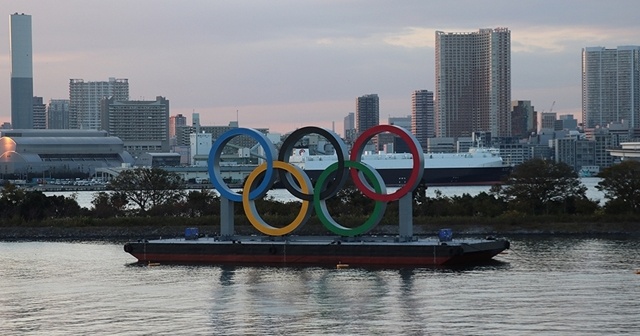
{"x":250,"y":206}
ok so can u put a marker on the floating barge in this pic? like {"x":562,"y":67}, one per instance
{"x":318,"y":251}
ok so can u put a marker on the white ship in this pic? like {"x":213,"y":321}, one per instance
{"x":479,"y":166}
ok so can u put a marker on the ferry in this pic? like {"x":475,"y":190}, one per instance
{"x":478,"y":166}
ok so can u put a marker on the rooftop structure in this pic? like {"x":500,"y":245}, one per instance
{"x":39,"y":151}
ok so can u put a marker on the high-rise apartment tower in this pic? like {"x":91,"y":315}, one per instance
{"x":85,"y":97}
{"x":473,"y":83}
{"x":422,"y":116}
{"x":21,"y":72}
{"x":611,"y":86}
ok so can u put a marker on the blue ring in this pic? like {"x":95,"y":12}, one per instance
{"x":214,"y":164}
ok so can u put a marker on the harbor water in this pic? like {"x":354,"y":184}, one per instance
{"x":84,"y":198}
{"x":542,"y":286}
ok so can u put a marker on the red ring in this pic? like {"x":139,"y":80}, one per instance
{"x":416,"y":152}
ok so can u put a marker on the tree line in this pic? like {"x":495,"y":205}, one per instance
{"x":534,"y":188}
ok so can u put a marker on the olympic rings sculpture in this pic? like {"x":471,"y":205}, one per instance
{"x":330,"y":181}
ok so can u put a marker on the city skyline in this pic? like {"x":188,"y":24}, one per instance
{"x":284,"y":65}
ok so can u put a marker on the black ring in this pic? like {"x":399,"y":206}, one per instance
{"x":341,"y":151}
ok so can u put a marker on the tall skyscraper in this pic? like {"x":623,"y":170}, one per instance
{"x":58,"y":114}
{"x":611,"y":86}
{"x":21,"y":72}
{"x":422,"y":116}
{"x":85,"y":97}
{"x":367,"y":112}
{"x":473,"y":83}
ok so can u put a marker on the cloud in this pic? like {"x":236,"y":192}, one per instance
{"x":412,"y":37}
{"x":528,"y":39}
{"x":560,"y":39}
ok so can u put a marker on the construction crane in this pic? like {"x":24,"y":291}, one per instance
{"x":552,"y":105}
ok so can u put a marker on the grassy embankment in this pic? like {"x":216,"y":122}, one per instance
{"x":153,"y":227}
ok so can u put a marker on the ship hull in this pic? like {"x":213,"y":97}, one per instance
{"x":438,"y":176}
{"x":316,"y":252}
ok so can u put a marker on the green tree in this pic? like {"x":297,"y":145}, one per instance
{"x":107,"y":205}
{"x":542,"y":187}
{"x":202,"y":203}
{"x":148,"y":187}
{"x":621,"y":187}
{"x":10,"y":200}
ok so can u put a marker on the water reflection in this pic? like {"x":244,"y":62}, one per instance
{"x":543,"y":285}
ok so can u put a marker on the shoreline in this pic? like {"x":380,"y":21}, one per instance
{"x":133,"y":233}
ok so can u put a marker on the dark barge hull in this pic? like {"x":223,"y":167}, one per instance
{"x":316,"y":252}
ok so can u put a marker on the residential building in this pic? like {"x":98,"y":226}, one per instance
{"x":85,"y":97}
{"x":422,"y":116}
{"x":611,"y":86}
{"x":21,"y":71}
{"x":473,"y":83}
{"x":142,"y":125}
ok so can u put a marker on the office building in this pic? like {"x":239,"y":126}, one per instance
{"x":39,"y":113}
{"x":85,"y":97}
{"x":175,"y":122}
{"x":568,"y":122}
{"x":548,"y":121}
{"x":58,"y":114}
{"x":350,"y":131}
{"x":404,"y":122}
{"x":21,"y":71}
{"x":611,"y":86}
{"x":422,"y":116}
{"x":367,"y":112}
{"x":473,"y":83}
{"x":524,"y":119}
{"x":142,"y":125}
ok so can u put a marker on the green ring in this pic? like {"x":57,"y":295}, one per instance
{"x":320,"y":205}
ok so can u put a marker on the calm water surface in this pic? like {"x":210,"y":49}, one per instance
{"x":84,"y":198}
{"x":553,"y":286}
